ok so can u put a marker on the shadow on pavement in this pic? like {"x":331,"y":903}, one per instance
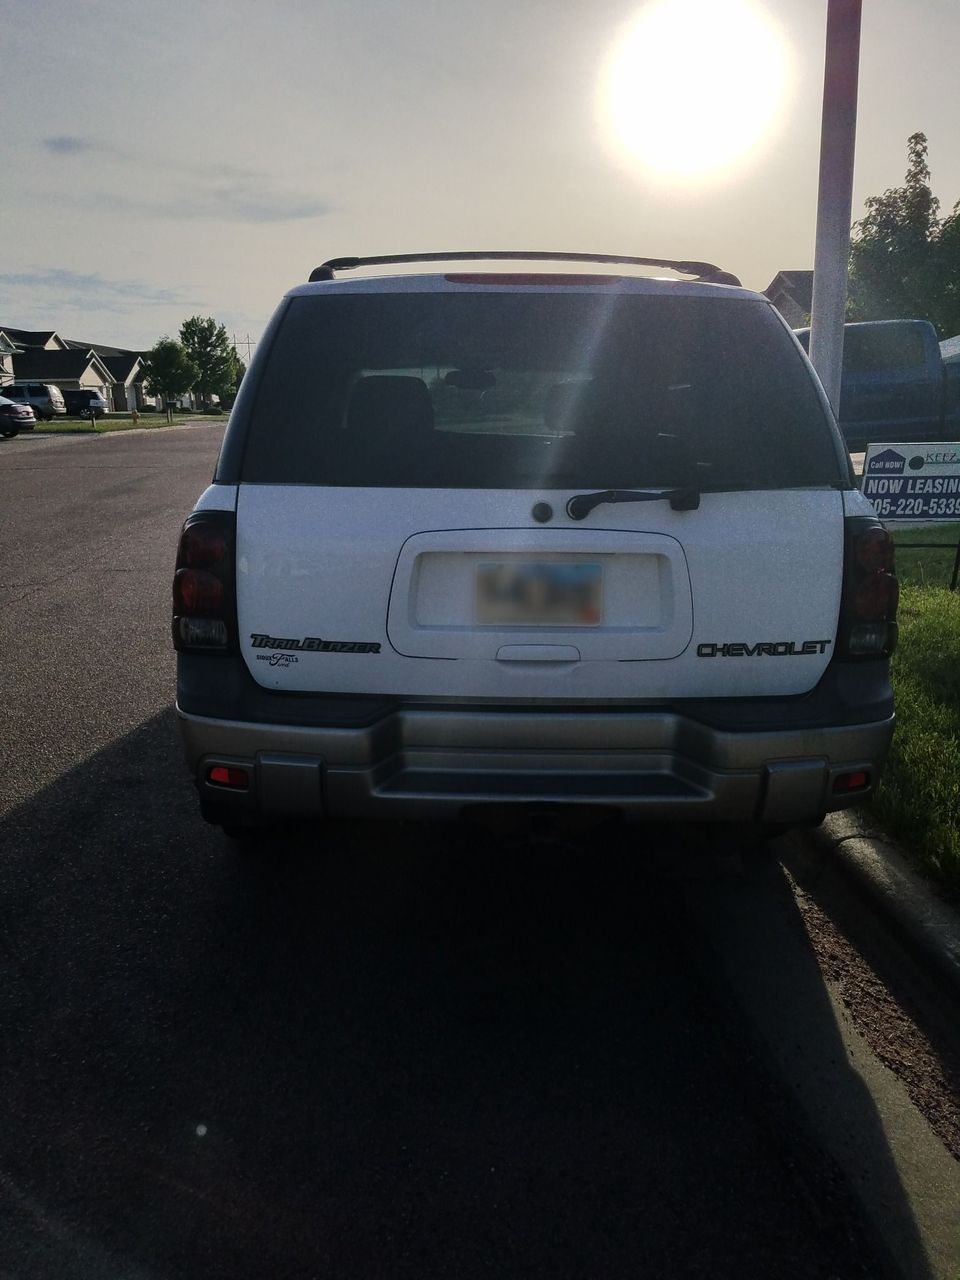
{"x":420,"y":1052}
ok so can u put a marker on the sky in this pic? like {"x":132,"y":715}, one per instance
{"x":163,"y":160}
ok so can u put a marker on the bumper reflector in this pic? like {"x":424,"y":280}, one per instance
{"x":856,"y":781}
{"x":225,"y":776}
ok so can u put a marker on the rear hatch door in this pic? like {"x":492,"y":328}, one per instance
{"x":409,"y":456}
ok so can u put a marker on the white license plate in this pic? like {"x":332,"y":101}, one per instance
{"x":544,"y":594}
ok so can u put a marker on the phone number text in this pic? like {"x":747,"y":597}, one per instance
{"x":926,"y":507}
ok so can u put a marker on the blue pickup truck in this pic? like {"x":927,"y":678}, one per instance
{"x":894,"y":385}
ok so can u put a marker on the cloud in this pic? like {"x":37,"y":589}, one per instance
{"x":238,"y":203}
{"x":77,"y":291}
{"x":221,"y":192}
{"x":68,"y":145}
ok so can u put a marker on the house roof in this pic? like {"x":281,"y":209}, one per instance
{"x":99,"y":347}
{"x":49,"y":366}
{"x":30,"y":337}
{"x":795,"y":285}
{"x":123,"y":366}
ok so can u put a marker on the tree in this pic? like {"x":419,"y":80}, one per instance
{"x":209,"y":347}
{"x":948,"y":255}
{"x":227,"y":401}
{"x":905,"y":259}
{"x":169,"y":371}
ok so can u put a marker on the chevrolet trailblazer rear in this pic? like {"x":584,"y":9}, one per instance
{"x":509,"y":538}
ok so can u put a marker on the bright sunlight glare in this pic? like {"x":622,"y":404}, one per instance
{"x":692,"y":88}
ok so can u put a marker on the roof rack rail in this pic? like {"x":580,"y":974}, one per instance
{"x":705,"y":272}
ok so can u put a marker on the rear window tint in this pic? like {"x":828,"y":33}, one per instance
{"x":496,"y":390}
{"x":881,"y":349}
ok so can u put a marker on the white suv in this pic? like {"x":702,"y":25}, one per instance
{"x":532,"y":539}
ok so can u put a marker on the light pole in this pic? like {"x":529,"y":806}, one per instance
{"x":838,"y":133}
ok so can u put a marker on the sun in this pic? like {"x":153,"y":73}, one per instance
{"x":693,"y":88}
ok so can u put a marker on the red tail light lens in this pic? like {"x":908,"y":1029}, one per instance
{"x":535,"y":279}
{"x":204,"y":600}
{"x":874,"y":549}
{"x":851,"y":781}
{"x":871,"y":593}
{"x":877,"y":598}
{"x":227,"y":776}
{"x":201,"y":546}
{"x":197,"y":591}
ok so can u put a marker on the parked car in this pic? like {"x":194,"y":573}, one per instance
{"x":535,"y":541}
{"x":894,"y":384}
{"x":45,"y":399}
{"x":84,"y":403}
{"x":15,"y":417}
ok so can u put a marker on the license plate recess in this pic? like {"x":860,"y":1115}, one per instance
{"x":539,"y":593}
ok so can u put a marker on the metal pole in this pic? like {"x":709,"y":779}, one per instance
{"x":838,"y":133}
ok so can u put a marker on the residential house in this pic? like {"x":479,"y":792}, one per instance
{"x":101,"y":349}
{"x":40,"y":339}
{"x":127,"y":368}
{"x":791,"y":292}
{"x":127,"y":371}
{"x":65,"y":369}
{"x":7,"y":351}
{"x":116,"y":372}
{"x":41,"y":355}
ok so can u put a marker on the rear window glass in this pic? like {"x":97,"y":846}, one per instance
{"x":884,"y":349}
{"x":869,"y":351}
{"x":500,"y":390}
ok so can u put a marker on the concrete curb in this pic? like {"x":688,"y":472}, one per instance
{"x":126,"y":431}
{"x":874,"y":863}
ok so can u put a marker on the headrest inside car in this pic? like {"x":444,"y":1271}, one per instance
{"x":393,"y":402}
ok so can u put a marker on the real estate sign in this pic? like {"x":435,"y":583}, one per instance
{"x":915,"y":482}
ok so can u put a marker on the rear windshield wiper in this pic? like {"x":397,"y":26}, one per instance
{"x":686,"y":498}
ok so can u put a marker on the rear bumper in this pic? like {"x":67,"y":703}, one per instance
{"x":434,"y":761}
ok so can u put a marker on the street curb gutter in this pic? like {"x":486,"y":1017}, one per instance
{"x":873,"y":862}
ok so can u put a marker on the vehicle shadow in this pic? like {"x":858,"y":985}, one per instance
{"x":402,"y":1051}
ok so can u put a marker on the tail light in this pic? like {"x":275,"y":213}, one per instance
{"x":204,"y":591}
{"x":844,"y":783}
{"x":871,"y":593}
{"x":535,"y":279}
{"x":222,"y":775}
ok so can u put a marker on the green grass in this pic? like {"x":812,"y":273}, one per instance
{"x":120,"y":422}
{"x":926,"y":567}
{"x":919,"y":797}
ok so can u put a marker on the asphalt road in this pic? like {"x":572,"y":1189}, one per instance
{"x":390,"y":1052}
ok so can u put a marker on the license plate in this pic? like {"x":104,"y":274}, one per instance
{"x":512,"y":594}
